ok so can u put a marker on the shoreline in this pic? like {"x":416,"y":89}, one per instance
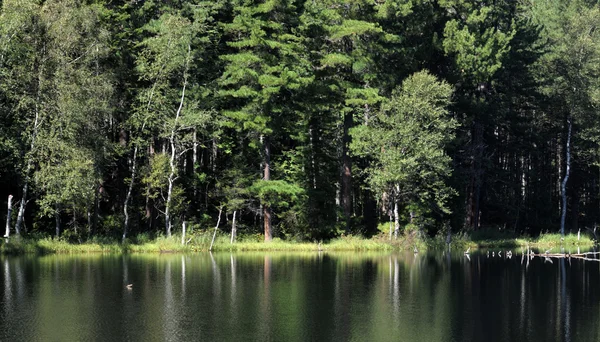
{"x":201,"y":244}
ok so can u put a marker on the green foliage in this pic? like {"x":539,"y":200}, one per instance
{"x":84,"y":84}
{"x":156,"y":175}
{"x":276,"y":193}
{"x":479,"y":48}
{"x":406,"y":141}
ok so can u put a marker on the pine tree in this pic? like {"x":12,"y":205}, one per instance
{"x":265,"y":69}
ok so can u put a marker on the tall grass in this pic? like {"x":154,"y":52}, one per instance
{"x":198,"y":242}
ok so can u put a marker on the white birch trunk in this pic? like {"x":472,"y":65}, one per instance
{"x":36,"y":123}
{"x":564,"y":182}
{"x":396,"y":214}
{"x":195,"y":161}
{"x":57,"y":218}
{"x":183,"y":233}
{"x":216,"y":228}
{"x":7,"y":232}
{"x":396,"y":219}
{"x":391,"y":224}
{"x":233,"y":227}
{"x":172,"y":166}
{"x":128,"y":196}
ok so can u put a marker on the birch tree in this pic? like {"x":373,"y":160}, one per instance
{"x":405,"y":142}
{"x":571,"y":71}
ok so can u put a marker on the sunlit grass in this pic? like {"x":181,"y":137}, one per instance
{"x":550,"y":240}
{"x":200,"y":241}
{"x":491,"y":238}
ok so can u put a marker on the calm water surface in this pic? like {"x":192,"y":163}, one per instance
{"x":298,"y":297}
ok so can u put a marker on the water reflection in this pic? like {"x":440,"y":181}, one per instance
{"x":300,"y":296}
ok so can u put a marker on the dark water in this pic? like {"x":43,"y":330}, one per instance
{"x":298,"y":297}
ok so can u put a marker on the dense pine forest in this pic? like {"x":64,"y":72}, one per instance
{"x":299,"y":119}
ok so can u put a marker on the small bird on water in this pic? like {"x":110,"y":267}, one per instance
{"x":129,"y":286}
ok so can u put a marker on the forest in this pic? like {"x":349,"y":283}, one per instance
{"x":299,"y":119}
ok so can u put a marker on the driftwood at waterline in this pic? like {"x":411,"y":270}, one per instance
{"x":580,"y":256}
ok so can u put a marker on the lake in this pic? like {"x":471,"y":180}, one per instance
{"x":298,"y":297}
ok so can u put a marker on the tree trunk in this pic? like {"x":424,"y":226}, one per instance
{"x":391,"y":224}
{"x":96,"y":210}
{"x":183,"y":233}
{"x":171,"y":179}
{"x":36,"y":123}
{"x":347,"y":171}
{"x":74,"y":220}
{"x":7,"y":232}
{"x":233,"y":227}
{"x":149,"y":206}
{"x":128,"y":196}
{"x":215,"y":150}
{"x":267,"y":177}
{"x":194,"y":165}
{"x":564,"y":182}
{"x":57,"y":219}
{"x":574,"y":205}
{"x":312,"y":138}
{"x":172,"y":166}
{"x":474,"y":189}
{"x":216,"y":228}
{"x":396,"y":214}
{"x":21,"y":213}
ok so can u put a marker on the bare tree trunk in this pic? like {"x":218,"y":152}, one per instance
{"x":74,"y":220}
{"x":346,"y":196}
{"x":96,"y":211}
{"x":36,"y":124}
{"x":396,"y":214}
{"x":128,"y":196}
{"x":183,"y":233}
{"x":311,"y":135}
{"x":216,"y":228}
{"x":7,"y":232}
{"x":21,"y":213}
{"x":564,"y":182}
{"x":215,"y":150}
{"x":172,"y":166}
{"x":57,"y":219}
{"x":233,"y":227}
{"x":267,"y":176}
{"x":391,"y":224}
{"x":194,"y":163}
{"x":478,"y":172}
{"x":149,"y":202}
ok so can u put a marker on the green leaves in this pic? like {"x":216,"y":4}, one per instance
{"x":405,"y":142}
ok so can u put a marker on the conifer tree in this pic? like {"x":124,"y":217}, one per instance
{"x":265,"y":69}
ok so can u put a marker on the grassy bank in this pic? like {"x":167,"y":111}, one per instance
{"x":196,"y":243}
{"x":492,"y":239}
{"x":200,"y":242}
